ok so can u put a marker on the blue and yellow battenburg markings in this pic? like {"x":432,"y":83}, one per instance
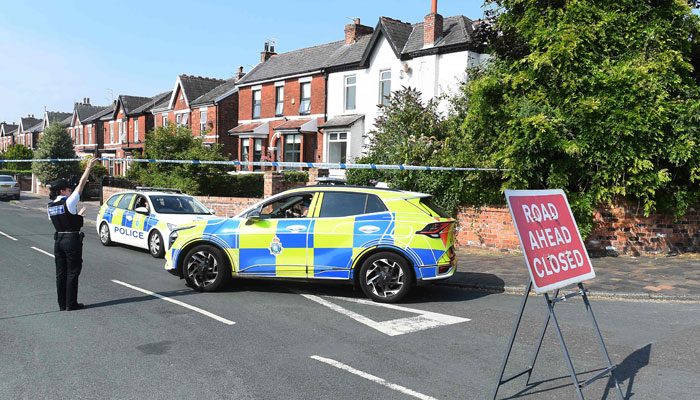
{"x":329,"y":246}
{"x":129,"y":219}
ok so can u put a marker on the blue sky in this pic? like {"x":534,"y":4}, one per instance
{"x":55,"y":53}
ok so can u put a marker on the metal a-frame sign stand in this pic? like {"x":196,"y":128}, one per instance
{"x":551,"y":302}
{"x":556,"y":257}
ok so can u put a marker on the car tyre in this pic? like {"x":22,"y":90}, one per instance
{"x":105,"y":238}
{"x":17,"y":196}
{"x":385,"y":277}
{"x":155,"y":244}
{"x":206,"y":269}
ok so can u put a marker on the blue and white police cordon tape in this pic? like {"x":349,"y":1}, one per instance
{"x":271,"y":164}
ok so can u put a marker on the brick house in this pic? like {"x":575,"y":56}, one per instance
{"x":207,"y":106}
{"x":84,"y":127}
{"x":25,"y":133}
{"x":282,"y":101}
{"x":7,"y":135}
{"x":124,"y":129}
{"x":431,"y":56}
{"x":54,"y":117}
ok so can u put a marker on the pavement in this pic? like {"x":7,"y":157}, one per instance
{"x":663,"y":278}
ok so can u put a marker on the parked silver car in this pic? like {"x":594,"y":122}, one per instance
{"x":9,"y":187}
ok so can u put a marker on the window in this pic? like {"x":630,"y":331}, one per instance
{"x":294,"y":206}
{"x":125,"y":139}
{"x":256,"y":104}
{"x":279,"y":101}
{"x":136,"y":130}
{"x":121,"y":131}
{"x":337,"y":147}
{"x":111,"y":132}
{"x":350,"y":82}
{"x":178,"y":205}
{"x":202,"y":121}
{"x":245,"y":149}
{"x":185,"y":117}
{"x":292,"y":148}
{"x":80,"y":135}
{"x":125,"y":202}
{"x":140,"y":202}
{"x":305,"y":103}
{"x":257,"y":153}
{"x":178,"y":119}
{"x":89,"y":134}
{"x":384,"y":87}
{"x":112,"y":202}
{"x":340,"y":204}
{"x":164,"y":120}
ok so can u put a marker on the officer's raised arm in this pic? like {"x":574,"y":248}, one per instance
{"x":74,"y":198}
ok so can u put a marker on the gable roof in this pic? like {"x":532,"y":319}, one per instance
{"x":85,"y":111}
{"x":8,"y":129}
{"x":193,"y":87}
{"x":36,"y":128}
{"x":131,"y":103}
{"x":154,"y":102}
{"x":215,"y":94}
{"x":56,"y":116}
{"x":405,"y":39}
{"x":28,"y":122}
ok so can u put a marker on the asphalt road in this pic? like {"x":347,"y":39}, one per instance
{"x":304,"y":340}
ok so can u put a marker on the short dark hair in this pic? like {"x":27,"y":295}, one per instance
{"x":58,"y":185}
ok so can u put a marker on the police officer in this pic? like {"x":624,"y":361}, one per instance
{"x":68,"y":240}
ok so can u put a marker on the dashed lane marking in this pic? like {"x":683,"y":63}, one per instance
{"x":43,"y":252}
{"x":179,"y":303}
{"x":373,"y":378}
{"x":7,"y":236}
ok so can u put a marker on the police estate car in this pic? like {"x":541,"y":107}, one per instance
{"x":142,"y":218}
{"x":383,"y":240}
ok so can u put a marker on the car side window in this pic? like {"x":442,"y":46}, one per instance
{"x":374,"y":204}
{"x":125,"y":201}
{"x":141,"y":202}
{"x":294,"y":206}
{"x":112,"y":202}
{"x":343,"y":204}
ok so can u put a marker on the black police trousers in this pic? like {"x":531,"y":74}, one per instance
{"x":68,"y":250}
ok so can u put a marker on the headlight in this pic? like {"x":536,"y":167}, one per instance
{"x":171,"y":226}
{"x":172,"y":239}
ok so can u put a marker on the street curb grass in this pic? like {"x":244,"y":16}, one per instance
{"x":519,"y":290}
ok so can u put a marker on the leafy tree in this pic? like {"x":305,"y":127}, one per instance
{"x":177,"y":143}
{"x":597,"y":97}
{"x":411,"y":132}
{"x":56,"y":143}
{"x":17,"y":152}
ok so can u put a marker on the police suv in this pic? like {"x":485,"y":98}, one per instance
{"x":142,"y":218}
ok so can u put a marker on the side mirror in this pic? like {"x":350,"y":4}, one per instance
{"x":254,"y":215}
{"x":141,"y":210}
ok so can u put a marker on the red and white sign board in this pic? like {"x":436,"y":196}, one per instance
{"x":550,"y":239}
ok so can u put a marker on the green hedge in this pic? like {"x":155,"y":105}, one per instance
{"x":247,"y":185}
{"x":12,"y":172}
{"x":295,"y":176}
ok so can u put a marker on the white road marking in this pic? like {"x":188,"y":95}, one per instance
{"x":193,"y":308}
{"x":44,"y":252}
{"x":7,"y":236}
{"x":424,"y":320}
{"x":373,"y":378}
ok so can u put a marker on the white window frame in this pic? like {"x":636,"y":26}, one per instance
{"x":164,"y":120}
{"x":337,"y":139}
{"x":136,"y":130}
{"x":307,"y":110}
{"x":279,"y":90}
{"x":382,"y":81}
{"x":90,"y":134}
{"x":111,"y":132}
{"x":203,"y":120}
{"x":258,"y":92}
{"x":345,"y":92}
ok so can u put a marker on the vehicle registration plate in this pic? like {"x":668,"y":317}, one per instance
{"x":5,"y":186}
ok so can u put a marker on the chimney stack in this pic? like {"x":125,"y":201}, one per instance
{"x":269,"y":52}
{"x":355,"y":31}
{"x":432,"y":26}
{"x":240,"y":74}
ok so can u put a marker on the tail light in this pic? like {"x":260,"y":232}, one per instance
{"x":17,"y":184}
{"x":435,"y":229}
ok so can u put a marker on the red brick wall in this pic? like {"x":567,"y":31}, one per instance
{"x":245,"y":103}
{"x":222,"y":206}
{"x":619,"y":230}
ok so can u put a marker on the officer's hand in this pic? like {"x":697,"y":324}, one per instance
{"x":82,"y":211}
{"x":91,"y":162}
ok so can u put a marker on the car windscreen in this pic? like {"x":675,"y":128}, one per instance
{"x":6,"y":179}
{"x":164,"y":204}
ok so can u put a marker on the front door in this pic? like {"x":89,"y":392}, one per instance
{"x":277,"y":244}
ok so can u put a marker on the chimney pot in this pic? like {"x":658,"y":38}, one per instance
{"x":433,"y":8}
{"x":240,"y":69}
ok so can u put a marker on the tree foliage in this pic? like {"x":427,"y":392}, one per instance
{"x":597,"y":97}
{"x":55,"y":143}
{"x":411,"y":132}
{"x":177,"y":143}
{"x":17,"y":152}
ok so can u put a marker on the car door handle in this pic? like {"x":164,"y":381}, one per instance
{"x":368,"y":229}
{"x":296,"y":228}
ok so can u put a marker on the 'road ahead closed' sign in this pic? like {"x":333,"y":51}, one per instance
{"x":549,"y":236}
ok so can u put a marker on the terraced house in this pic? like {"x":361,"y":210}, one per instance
{"x":208,"y":106}
{"x":124,"y":129}
{"x":7,"y":135}
{"x":84,"y":127}
{"x":26,"y":133}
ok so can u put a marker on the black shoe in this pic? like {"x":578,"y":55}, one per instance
{"x":61,"y":309}
{"x":76,"y":306}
